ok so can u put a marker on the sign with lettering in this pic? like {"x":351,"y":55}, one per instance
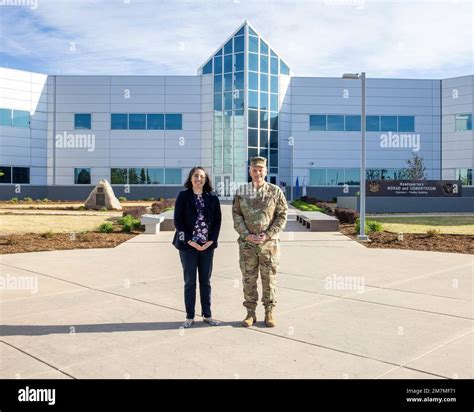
{"x":415,"y":188}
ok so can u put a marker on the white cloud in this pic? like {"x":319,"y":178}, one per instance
{"x":428,"y":39}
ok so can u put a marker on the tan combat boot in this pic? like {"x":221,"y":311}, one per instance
{"x":269,"y":319}
{"x":249,"y":320}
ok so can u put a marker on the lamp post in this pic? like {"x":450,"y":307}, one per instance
{"x":291,"y":142}
{"x":356,"y":76}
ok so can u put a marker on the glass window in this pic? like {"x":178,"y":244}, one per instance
{"x":274,"y":120}
{"x":273,"y":158}
{"x":264,"y":153}
{"x":353,"y":123}
{"x":317,"y":177}
{"x":218,"y":83}
{"x":137,"y":176}
{"x":5,"y":117}
{"x":155,"y":121}
{"x":228,"y":82}
{"x":207,"y":67}
{"x":274,"y":65}
{"x":264,"y":139}
{"x":272,"y":53}
{"x":335,"y":123}
{"x":238,"y":96}
{"x":219,"y":53}
{"x":155,"y":176}
{"x":263,"y":47}
{"x":335,"y":177}
{"x":263,"y":63}
{"x":82,"y":121}
{"x":252,"y":152}
{"x":253,"y":100}
{"x":21,"y":118}
{"x":463,"y":122}
{"x":253,"y":44}
{"x":218,"y":101}
{"x":240,"y":32}
{"x":317,"y":122}
{"x":173,"y":121}
{"x":406,"y":123}
{"x":284,"y":69}
{"x":239,"y":80}
{"x":5,"y":174}
{"x":373,"y":123}
{"x":263,"y":101}
{"x":273,"y":139}
{"x":253,"y":62}
{"x":239,"y":62}
{"x":137,"y":121}
{"x":388,"y":123}
{"x":264,"y":82}
{"x":252,"y":32}
{"x":372,"y":174}
{"x":253,"y":118}
{"x":228,"y":101}
{"x":119,"y":121}
{"x":228,"y":47}
{"x":118,"y":176}
{"x":21,"y":175}
{"x":253,"y":137}
{"x":239,"y":44}
{"x":173,"y":176}
{"x":352,"y":176}
{"x":274,"y":84}
{"x":218,"y":65}
{"x":465,"y":176}
{"x":228,"y":63}
{"x":274,"y":102}
{"x":263,"y":119}
{"x":253,"y":81}
{"x":82,"y":176}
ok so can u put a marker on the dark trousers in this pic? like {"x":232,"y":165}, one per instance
{"x":193,"y":261}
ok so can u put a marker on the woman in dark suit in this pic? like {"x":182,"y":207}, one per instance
{"x":197,"y":219}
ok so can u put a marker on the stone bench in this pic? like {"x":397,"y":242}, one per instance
{"x":317,"y":221}
{"x":163,"y":222}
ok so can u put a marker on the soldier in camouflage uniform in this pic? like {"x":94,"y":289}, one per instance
{"x":259,"y":211}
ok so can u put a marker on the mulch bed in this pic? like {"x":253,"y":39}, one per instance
{"x":415,"y":241}
{"x":35,"y":242}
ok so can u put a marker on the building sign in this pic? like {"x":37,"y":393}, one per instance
{"x":417,"y":188}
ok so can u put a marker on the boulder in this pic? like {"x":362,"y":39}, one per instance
{"x":103,"y":196}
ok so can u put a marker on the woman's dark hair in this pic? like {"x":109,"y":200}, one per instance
{"x":207,"y":187}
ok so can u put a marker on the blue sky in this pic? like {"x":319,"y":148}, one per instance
{"x":409,"y":39}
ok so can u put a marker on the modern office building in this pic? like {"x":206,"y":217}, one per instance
{"x":60,"y":135}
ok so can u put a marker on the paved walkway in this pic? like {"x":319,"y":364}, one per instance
{"x":344,"y":311}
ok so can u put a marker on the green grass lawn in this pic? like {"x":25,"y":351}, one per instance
{"x":460,"y":225}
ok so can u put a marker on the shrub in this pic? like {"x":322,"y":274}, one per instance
{"x":129,"y":223}
{"x":370,"y":226}
{"x":46,"y":200}
{"x":432,"y":232}
{"x":104,"y":209}
{"x":28,"y":199}
{"x":14,"y":200}
{"x":48,"y":234}
{"x":299,"y":204}
{"x":346,"y":215}
{"x":106,"y":227}
{"x":122,"y":199}
{"x":135,"y":211}
{"x":82,"y":208}
{"x":334,"y":199}
{"x":148,"y":199}
{"x":162,"y":205}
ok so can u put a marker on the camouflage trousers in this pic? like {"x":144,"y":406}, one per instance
{"x":264,"y":259}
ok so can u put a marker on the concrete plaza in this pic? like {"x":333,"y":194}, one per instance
{"x":344,"y":311}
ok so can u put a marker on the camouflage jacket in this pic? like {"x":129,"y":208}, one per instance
{"x":256,"y":211}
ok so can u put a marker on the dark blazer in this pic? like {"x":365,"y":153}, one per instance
{"x":185,"y":215}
